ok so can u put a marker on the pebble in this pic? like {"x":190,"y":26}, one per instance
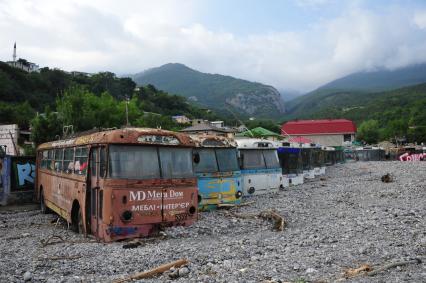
{"x":183,"y":271}
{"x":348,"y":222}
{"x":28,"y":276}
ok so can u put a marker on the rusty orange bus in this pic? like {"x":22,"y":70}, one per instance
{"x":120,"y":183}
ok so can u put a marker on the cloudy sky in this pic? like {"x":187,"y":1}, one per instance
{"x":290,"y":44}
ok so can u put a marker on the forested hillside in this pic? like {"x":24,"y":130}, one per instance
{"x":214,"y":91}
{"x":383,"y":115}
{"x":85,"y":102}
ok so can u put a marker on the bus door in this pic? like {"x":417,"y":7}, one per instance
{"x":97,"y":171}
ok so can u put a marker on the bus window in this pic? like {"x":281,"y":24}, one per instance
{"x":227,"y":159}
{"x":208,"y":162}
{"x":44,"y":159}
{"x":59,"y":155}
{"x":133,"y":162}
{"x":50,"y":159}
{"x":271,"y":159}
{"x":80,"y":165}
{"x":102,"y":163}
{"x":69,"y":160}
{"x":253,"y":159}
{"x":93,"y":157}
{"x":176,"y":162}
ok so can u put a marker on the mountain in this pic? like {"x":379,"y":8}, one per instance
{"x":379,"y":80}
{"x":355,"y":89}
{"x":215,"y":91}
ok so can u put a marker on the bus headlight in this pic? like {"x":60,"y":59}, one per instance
{"x":126,"y":216}
{"x":238,"y":194}
{"x":251,"y":190}
{"x":192,"y":210}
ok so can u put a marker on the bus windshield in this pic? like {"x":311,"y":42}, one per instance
{"x":271,"y":158}
{"x":227,"y":159}
{"x":143,"y":162}
{"x":253,"y":159}
{"x":208,"y":162}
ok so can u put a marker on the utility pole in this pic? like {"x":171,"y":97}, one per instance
{"x":127,"y":111}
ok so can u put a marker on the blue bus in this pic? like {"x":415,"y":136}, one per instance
{"x":218,"y":172}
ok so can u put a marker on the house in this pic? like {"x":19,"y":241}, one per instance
{"x":218,"y":124}
{"x":199,"y":122}
{"x":181,"y":119}
{"x":24,"y":65}
{"x":330,"y":132}
{"x":260,"y":132}
{"x":208,"y":129}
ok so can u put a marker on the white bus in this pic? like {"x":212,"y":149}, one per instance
{"x":260,"y":167}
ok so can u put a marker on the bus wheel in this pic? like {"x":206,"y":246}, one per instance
{"x":77,"y":221}
{"x":44,"y":209}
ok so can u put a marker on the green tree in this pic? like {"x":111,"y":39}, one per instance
{"x":46,"y":127}
{"x":368,"y":131}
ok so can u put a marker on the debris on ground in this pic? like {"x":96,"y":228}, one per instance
{"x":353,"y":219}
{"x":153,"y":272}
{"x":387,"y":178}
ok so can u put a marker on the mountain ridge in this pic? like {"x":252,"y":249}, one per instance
{"x":215,"y":90}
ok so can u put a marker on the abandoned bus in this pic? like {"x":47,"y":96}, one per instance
{"x":290,"y":157}
{"x":329,"y":155}
{"x":217,"y":170}
{"x":120,"y":183}
{"x":307,"y":161}
{"x":260,"y":168}
{"x":318,"y":158}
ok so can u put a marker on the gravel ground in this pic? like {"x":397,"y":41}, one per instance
{"x":346,"y":219}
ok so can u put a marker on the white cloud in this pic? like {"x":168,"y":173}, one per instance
{"x":130,"y":36}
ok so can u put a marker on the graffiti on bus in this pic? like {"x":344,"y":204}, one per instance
{"x":412,"y":157}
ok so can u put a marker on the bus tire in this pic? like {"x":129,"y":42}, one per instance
{"x":43,"y":208}
{"x":77,"y":219}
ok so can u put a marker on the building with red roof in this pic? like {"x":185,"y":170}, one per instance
{"x":330,"y":132}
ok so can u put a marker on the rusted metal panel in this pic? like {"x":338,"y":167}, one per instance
{"x":220,"y":186}
{"x":113,"y":208}
{"x":124,"y":136}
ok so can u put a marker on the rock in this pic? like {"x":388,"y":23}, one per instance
{"x":311,"y":270}
{"x":183,"y":271}
{"x":28,"y":276}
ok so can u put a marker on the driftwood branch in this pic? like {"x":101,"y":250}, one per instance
{"x":153,"y":272}
{"x":279,"y":222}
{"x":353,"y":272}
{"x":394,"y":264}
{"x":49,"y":241}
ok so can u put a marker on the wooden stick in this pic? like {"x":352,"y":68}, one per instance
{"x":153,"y":272}
{"x":48,"y":240}
{"x":394,"y":264}
{"x":279,"y":220}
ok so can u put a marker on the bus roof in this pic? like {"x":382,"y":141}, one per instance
{"x":125,"y":136}
{"x":256,"y":144}
{"x":212,"y":141}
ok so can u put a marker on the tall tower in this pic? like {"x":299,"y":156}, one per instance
{"x":14,"y":53}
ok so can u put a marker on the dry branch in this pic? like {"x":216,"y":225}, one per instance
{"x":279,"y":220}
{"x":352,"y":272}
{"x":48,"y":241}
{"x":279,"y":223}
{"x":394,"y":264}
{"x":153,"y":272}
